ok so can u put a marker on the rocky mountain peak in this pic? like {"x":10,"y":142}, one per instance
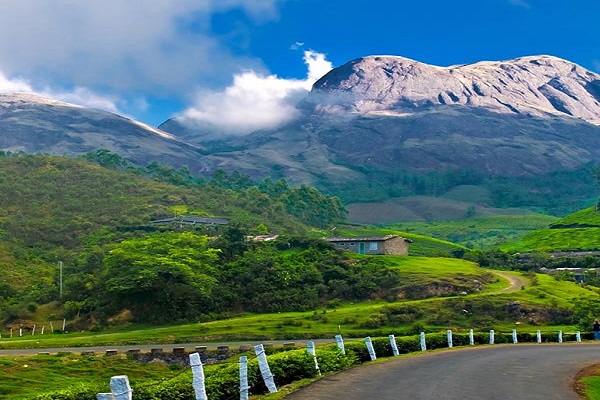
{"x":536,"y":86}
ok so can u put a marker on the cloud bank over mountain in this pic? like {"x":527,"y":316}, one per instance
{"x":256,"y":101}
{"x":94,"y":52}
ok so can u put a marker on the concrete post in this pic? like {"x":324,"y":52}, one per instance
{"x":370,"y":348}
{"x":310,"y":349}
{"x":198,"y":376}
{"x":340,"y":343}
{"x":244,"y":388}
{"x":265,"y":371}
{"x":394,"y":345}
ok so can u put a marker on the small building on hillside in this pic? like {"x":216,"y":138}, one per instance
{"x":191,"y":220}
{"x":389,"y":244}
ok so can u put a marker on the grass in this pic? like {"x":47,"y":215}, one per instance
{"x":577,"y":231}
{"x":354,"y":319}
{"x":25,"y":377}
{"x":480,"y":232}
{"x":587,"y":383}
{"x":587,"y":217}
{"x":350,"y":319}
{"x":548,"y":240}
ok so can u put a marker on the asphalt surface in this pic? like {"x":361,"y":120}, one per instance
{"x":500,"y":372}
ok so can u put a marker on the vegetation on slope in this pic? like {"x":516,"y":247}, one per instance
{"x":554,"y":193}
{"x":576,"y":232}
{"x":59,"y":209}
{"x":480,"y":232}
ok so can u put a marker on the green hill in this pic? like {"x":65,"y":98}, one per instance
{"x":53,"y":207}
{"x":579,"y":231}
{"x":480,"y":232}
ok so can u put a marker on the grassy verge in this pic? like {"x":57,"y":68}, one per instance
{"x":26,"y":377}
{"x":489,"y":307}
{"x":587,"y":383}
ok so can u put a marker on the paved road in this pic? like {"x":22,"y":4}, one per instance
{"x":501,"y":372}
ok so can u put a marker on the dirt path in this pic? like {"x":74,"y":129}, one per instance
{"x":516,"y":282}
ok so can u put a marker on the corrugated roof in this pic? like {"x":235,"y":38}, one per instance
{"x":193,"y":220}
{"x":362,"y":239}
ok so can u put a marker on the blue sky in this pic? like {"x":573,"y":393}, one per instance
{"x":246,"y":62}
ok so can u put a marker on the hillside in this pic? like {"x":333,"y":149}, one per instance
{"x":519,"y":133}
{"x":33,"y":124}
{"x":386,"y":127}
{"x":579,"y":231}
{"x":54,"y":207}
{"x":480,"y":232}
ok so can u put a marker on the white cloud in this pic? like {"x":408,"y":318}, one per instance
{"x":79,"y":95}
{"x":254,"y":101}
{"x":157,"y":46}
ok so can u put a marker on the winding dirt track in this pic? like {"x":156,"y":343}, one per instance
{"x":516,"y":282}
{"x":500,"y":372}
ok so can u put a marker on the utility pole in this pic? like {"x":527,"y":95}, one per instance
{"x":60,"y":279}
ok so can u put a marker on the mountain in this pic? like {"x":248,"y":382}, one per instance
{"x":380,"y":127}
{"x":33,"y":124}
{"x":542,"y":86}
{"x":525,"y":116}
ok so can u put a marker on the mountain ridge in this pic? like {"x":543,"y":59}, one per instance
{"x":538,"y":85}
{"x":377,"y":127}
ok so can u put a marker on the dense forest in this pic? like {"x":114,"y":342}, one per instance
{"x":555,"y":193}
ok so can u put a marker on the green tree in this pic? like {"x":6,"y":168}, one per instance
{"x":161,"y":277}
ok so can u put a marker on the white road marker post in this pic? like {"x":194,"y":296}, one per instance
{"x":340,"y":343}
{"x":64,"y":325}
{"x":394,"y":345}
{"x":244,"y":388}
{"x":471,"y":338}
{"x":198,"y":376}
{"x":492,"y":339}
{"x":43,"y":326}
{"x":310,"y":349}
{"x":578,"y":337}
{"x":560,"y":338}
{"x":538,"y":335}
{"x":33,"y":331}
{"x":119,"y":387}
{"x":514,"y":335}
{"x":423,"y":343}
{"x":265,"y":371}
{"x":449,"y":335}
{"x":370,"y":348}
{"x":20,"y":332}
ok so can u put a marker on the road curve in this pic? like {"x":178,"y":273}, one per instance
{"x":516,"y":282}
{"x":500,"y":372}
